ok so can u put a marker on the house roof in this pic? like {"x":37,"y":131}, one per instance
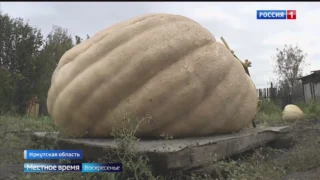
{"x":316,"y":72}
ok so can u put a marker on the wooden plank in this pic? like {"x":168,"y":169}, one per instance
{"x":175,"y":154}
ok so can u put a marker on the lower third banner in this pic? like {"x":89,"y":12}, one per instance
{"x":52,"y":167}
{"x":100,"y":167}
{"x":78,"y":167}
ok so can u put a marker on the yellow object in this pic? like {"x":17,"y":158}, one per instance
{"x":292,"y":113}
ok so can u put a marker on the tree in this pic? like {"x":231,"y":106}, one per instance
{"x":56,"y":44}
{"x":6,"y":86}
{"x":19,"y":48}
{"x":290,"y":62}
{"x":27,"y":61}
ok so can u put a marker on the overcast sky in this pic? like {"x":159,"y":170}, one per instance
{"x":250,"y":38}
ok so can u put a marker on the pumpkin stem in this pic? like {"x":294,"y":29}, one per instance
{"x":245,"y":64}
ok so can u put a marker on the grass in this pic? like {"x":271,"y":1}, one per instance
{"x":15,"y":138}
{"x":312,"y":110}
{"x":269,"y":114}
{"x":261,"y":163}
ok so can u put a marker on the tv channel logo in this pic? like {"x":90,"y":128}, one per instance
{"x":277,"y":14}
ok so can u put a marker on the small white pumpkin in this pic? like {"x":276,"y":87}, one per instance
{"x":292,"y":113}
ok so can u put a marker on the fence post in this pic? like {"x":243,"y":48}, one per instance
{"x":271,"y":93}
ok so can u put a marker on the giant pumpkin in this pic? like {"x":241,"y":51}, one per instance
{"x":162,"y":65}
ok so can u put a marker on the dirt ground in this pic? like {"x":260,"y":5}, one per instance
{"x":306,"y":134}
{"x":303,"y":159}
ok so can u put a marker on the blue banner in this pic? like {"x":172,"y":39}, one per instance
{"x":51,"y":167}
{"x":52,"y":154}
{"x":100,"y":167}
{"x":271,"y":14}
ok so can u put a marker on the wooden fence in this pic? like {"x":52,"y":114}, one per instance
{"x":280,"y":96}
{"x":33,"y":108}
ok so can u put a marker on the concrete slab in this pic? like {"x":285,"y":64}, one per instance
{"x":175,"y":154}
